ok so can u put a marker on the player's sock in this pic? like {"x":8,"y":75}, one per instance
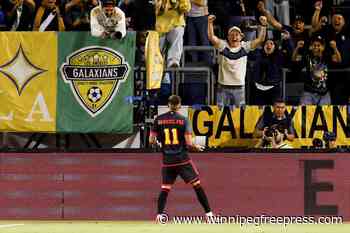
{"x":162,"y":200}
{"x":202,"y":198}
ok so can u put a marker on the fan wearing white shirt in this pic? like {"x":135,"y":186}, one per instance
{"x":233,"y":61}
{"x":107,"y":20}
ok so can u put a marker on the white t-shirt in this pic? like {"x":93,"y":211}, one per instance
{"x":100,"y":23}
{"x":197,"y":11}
{"x":233,"y":63}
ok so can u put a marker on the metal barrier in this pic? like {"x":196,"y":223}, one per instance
{"x":209,"y":49}
{"x":178,"y":76}
{"x":179,"y":73}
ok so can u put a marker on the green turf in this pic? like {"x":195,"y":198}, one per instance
{"x":148,"y":227}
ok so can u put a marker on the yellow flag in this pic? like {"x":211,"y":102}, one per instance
{"x":28,"y":80}
{"x":154,"y":61}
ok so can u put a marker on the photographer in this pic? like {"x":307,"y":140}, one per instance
{"x":278,"y":120}
{"x":107,"y":21}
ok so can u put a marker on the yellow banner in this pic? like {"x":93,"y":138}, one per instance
{"x":28,"y":83}
{"x":234,"y":127}
{"x":154,"y":61}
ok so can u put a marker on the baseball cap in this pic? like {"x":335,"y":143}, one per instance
{"x":299,"y":18}
{"x":234,"y":28}
{"x":337,"y":11}
{"x":108,"y":2}
{"x":318,"y":38}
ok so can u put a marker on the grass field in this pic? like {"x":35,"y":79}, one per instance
{"x":150,"y":227}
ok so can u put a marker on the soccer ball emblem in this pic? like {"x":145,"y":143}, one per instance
{"x":94,"y":94}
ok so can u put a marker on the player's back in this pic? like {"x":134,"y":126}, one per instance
{"x":171,"y":128}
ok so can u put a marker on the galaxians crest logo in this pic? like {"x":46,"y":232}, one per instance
{"x":95,"y":74}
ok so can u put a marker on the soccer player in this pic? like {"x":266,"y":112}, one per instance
{"x":175,"y":135}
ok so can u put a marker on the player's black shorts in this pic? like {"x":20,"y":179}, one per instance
{"x":188,"y":173}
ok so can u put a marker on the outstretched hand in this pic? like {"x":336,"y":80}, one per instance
{"x":333,"y":44}
{"x":318,"y":5}
{"x":263,"y":20}
{"x":211,"y":18}
{"x":300,"y":44}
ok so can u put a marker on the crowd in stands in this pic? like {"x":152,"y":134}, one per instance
{"x":269,"y":34}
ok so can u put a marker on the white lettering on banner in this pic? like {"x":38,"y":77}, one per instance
{"x":43,"y":110}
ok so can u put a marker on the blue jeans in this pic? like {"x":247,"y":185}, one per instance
{"x":230,"y":95}
{"x":197,"y":35}
{"x":309,"y":98}
{"x":174,"y":40}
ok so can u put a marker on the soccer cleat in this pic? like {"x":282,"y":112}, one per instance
{"x":209,"y":214}
{"x":210,"y":217}
{"x":158,"y":217}
{"x":162,"y":219}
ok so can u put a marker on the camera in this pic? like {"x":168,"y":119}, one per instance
{"x":317,"y":143}
{"x":328,"y":141}
{"x":276,"y":132}
{"x":116,"y":35}
{"x":329,"y":136}
{"x":272,"y":130}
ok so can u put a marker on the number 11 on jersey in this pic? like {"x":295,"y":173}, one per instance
{"x":173,"y":136}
